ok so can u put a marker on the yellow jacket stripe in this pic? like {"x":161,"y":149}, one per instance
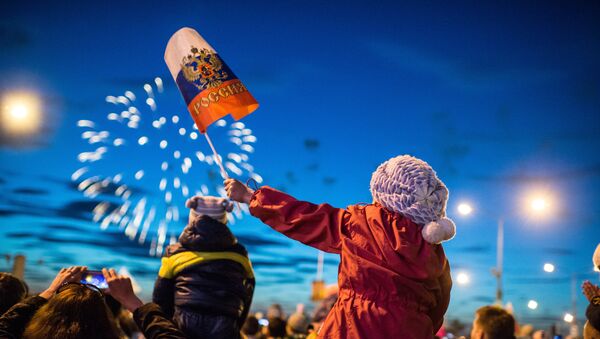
{"x":171,"y":266}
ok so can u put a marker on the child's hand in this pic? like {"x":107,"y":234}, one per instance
{"x":238,"y":191}
{"x":590,"y":290}
{"x":65,"y":275}
{"x":120,"y":288}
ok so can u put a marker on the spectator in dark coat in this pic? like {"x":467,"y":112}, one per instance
{"x":206,"y":281}
{"x":12,"y":290}
{"x":68,"y":309}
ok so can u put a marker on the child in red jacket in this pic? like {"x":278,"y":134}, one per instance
{"x":394,"y":277}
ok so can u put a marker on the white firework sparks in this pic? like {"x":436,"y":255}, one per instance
{"x":155,"y":162}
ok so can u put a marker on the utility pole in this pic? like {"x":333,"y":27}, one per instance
{"x":18,"y":269}
{"x":574,"y":330}
{"x":498,"y":270}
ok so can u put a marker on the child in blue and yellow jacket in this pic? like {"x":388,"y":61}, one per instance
{"x":206,"y":281}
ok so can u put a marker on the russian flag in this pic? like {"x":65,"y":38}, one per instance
{"x":209,"y":87}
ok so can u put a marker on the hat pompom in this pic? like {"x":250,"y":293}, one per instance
{"x":596,"y":257}
{"x":228,"y":205}
{"x":192,"y":202}
{"x":439,"y":230}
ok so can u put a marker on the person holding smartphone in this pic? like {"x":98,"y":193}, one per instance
{"x":71,"y":309}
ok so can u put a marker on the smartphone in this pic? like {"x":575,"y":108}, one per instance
{"x":263,"y":322}
{"x":95,"y":278}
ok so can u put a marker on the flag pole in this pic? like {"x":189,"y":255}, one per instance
{"x":224,"y":174}
{"x":217,"y":157}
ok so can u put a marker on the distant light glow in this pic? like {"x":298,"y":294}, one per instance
{"x":462,"y":278}
{"x":569,"y":317}
{"x":532,"y":304}
{"x":163,"y":144}
{"x":464,"y":209}
{"x":548,"y":267}
{"x":21,"y":113}
{"x":539,"y":204}
{"x":142,"y":141}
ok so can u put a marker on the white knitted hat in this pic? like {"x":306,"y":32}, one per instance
{"x":409,"y":186}
{"x":213,"y":207}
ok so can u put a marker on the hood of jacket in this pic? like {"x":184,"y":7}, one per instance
{"x":206,"y":234}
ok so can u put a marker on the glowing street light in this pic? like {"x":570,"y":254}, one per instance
{"x":20,"y":113}
{"x":464,"y":209}
{"x":568,"y":317}
{"x":532,"y":304}
{"x":539,"y":204}
{"x":462,"y":278}
{"x":548,"y":267}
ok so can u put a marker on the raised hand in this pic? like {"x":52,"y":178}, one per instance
{"x":237,"y":191}
{"x":65,"y":275}
{"x":590,"y":290}
{"x":120,"y":288}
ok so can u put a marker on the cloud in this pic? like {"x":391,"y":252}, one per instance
{"x":14,"y":37}
{"x":30,"y":191}
{"x":63,"y":227}
{"x":134,"y":83}
{"x":311,"y":144}
{"x":73,"y":210}
{"x":540,"y":281}
{"x":559,"y":251}
{"x":473,"y":249}
{"x":328,"y":181}
{"x":482,"y":299}
{"x":522,"y":177}
{"x":105,"y":240}
{"x":471,"y":75}
{"x":20,"y":235}
{"x":40,"y":140}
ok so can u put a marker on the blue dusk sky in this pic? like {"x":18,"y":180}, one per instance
{"x":503,"y":100}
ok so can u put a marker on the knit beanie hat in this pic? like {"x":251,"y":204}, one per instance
{"x":213,"y":207}
{"x":409,"y":186}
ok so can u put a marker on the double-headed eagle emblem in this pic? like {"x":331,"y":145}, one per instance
{"x":203,"y":68}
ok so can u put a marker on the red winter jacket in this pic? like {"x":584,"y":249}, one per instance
{"x":393,"y":284}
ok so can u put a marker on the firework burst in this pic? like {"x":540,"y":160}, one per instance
{"x":144,"y":163}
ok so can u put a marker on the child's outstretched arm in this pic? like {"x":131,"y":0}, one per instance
{"x":319,"y":226}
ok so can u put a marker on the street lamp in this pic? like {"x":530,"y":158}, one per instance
{"x":20,"y":113}
{"x":568,"y":317}
{"x":462,"y":278}
{"x":548,"y":267}
{"x":464,"y":208}
{"x":532,"y":304}
{"x":537,"y":204}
